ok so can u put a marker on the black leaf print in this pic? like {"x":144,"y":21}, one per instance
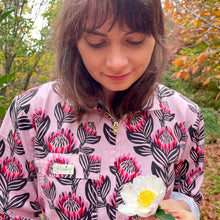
{"x":194,"y":155}
{"x":2,"y":147}
{"x":189,"y":187}
{"x":193,"y":108}
{"x":160,"y":156}
{"x":87,"y":150}
{"x":136,"y":137}
{"x":18,"y":201}
{"x":165,"y":92}
{"x":105,"y":188}
{"x":109,"y":134}
{"x":173,"y":155}
{"x":169,"y":117}
{"x":13,"y":114}
{"x":41,"y":152}
{"x":179,"y":133}
{"x":65,"y":181}
{"x":143,"y":150}
{"x":24,"y":123}
{"x":95,"y":168}
{"x":113,"y":170}
{"x":59,"y":115}
{"x":24,"y":98}
{"x":35,"y":205}
{"x":42,"y":129}
{"x":11,"y":142}
{"x":148,"y":127}
{"x":91,"y":193}
{"x":69,"y":118}
{"x":156,"y":170}
{"x":92,"y":139}
{"x":182,"y":169}
{"x":81,"y":134}
{"x":170,"y":178}
{"x":17,"y":184}
{"x":62,"y":216}
{"x":46,"y":193}
{"x":111,"y":211}
{"x":52,"y":191}
{"x":3,"y":183}
{"x":84,"y":162}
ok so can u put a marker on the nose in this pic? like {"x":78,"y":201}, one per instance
{"x":116,"y":59}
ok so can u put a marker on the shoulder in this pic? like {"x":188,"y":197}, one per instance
{"x":174,"y":99}
{"x":173,"y":102}
{"x":44,"y":97}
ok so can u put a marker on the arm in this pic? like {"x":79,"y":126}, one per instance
{"x":189,"y":171}
{"x":18,"y":191}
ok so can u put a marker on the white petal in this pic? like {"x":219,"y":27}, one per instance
{"x":128,"y":194}
{"x":138,"y":183}
{"x":146,"y":212}
{"x":126,"y":210}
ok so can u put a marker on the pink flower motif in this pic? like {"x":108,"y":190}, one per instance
{"x":72,"y":206}
{"x":11,"y":169}
{"x":178,"y":167}
{"x":94,"y":159}
{"x":37,"y":118}
{"x":164,"y":109}
{"x":17,"y":140}
{"x":127,"y":168}
{"x":66,"y":110}
{"x":57,"y":160}
{"x":90,"y":129}
{"x":136,"y":125}
{"x":199,"y":152}
{"x":113,"y":200}
{"x":164,"y":139}
{"x":193,"y":175}
{"x":61,"y":142}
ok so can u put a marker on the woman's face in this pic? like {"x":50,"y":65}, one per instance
{"x":116,"y":58}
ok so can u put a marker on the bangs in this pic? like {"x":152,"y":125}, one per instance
{"x":135,"y":15}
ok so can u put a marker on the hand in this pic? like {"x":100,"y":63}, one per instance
{"x":182,"y":214}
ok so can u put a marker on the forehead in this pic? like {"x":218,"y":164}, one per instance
{"x":106,"y":13}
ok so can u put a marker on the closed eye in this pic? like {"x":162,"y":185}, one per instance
{"x":135,"y":43}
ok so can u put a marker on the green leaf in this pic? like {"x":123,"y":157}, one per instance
{"x":6,"y":79}
{"x":160,"y":213}
{"x":5,"y":14}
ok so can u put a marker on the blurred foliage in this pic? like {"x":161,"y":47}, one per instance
{"x":24,"y":51}
{"x":197,"y":23}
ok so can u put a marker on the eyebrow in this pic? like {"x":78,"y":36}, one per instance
{"x":105,"y":35}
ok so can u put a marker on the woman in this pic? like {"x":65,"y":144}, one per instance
{"x":70,"y":146}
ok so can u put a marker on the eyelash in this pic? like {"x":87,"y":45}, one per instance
{"x":132,"y":43}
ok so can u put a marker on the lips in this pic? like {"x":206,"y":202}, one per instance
{"x":118,"y":78}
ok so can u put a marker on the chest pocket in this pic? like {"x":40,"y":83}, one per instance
{"x":79,"y":166}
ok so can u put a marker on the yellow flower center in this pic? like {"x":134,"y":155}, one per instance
{"x":146,"y":197}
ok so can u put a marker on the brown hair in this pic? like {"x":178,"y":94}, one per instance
{"x":75,"y":83}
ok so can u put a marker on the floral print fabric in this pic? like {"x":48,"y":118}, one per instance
{"x":53,"y":166}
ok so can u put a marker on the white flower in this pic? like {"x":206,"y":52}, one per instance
{"x":143,"y":196}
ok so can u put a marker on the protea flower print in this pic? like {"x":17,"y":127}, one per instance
{"x":37,"y":118}
{"x":164,"y":139}
{"x":32,"y":174}
{"x":90,"y":129}
{"x":136,"y":125}
{"x":66,"y":110}
{"x":57,"y":160}
{"x":11,"y":169}
{"x":72,"y":206}
{"x":127,"y":168}
{"x":61,"y":142}
{"x":193,"y":174}
{"x":143,"y":196}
